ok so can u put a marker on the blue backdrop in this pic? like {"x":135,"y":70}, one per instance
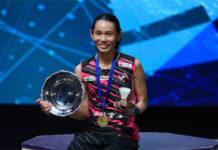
{"x":175,"y":40}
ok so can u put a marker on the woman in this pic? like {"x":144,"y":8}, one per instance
{"x":110,"y":125}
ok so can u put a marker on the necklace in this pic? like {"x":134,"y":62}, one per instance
{"x":102,"y":120}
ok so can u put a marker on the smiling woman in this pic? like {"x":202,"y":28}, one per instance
{"x":110,"y":121}
{"x":108,"y":117}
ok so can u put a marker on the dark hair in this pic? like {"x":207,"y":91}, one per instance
{"x":111,"y":18}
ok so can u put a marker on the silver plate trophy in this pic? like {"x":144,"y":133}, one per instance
{"x":65,"y":91}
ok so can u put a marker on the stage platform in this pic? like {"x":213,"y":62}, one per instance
{"x":148,"y":141}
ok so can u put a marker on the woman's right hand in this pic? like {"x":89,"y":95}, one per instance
{"x":45,"y":105}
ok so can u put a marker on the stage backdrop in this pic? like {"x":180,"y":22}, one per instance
{"x":175,"y":40}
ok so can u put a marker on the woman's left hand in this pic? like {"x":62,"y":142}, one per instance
{"x":128,"y":109}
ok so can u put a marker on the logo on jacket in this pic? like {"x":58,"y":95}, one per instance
{"x":125,"y":65}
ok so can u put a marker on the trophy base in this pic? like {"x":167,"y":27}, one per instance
{"x":123,"y":102}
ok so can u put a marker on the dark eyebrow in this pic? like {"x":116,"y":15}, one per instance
{"x":107,"y":32}
{"x":97,"y":30}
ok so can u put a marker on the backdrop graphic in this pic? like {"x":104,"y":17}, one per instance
{"x":175,"y":40}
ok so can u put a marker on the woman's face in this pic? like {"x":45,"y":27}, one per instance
{"x":105,"y":36}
